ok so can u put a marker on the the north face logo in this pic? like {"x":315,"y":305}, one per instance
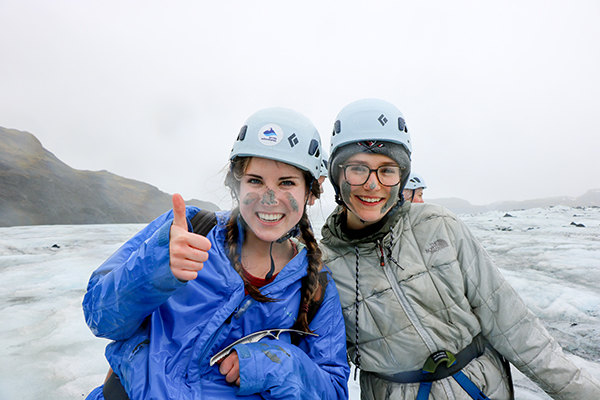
{"x":437,"y":246}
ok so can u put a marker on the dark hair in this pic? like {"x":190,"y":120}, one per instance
{"x":238,"y":167}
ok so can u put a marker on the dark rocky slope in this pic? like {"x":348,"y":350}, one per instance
{"x":36,"y":188}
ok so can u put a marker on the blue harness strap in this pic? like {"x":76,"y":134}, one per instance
{"x":424,"y":389}
{"x":430,"y":367}
{"x":463,"y":381}
{"x":469,"y":386}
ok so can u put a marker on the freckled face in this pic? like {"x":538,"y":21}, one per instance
{"x":370,"y":202}
{"x":272,"y":198}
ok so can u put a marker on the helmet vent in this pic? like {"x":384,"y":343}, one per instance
{"x":313,"y":149}
{"x":402,"y":125}
{"x":337,"y":127}
{"x":242,"y":134}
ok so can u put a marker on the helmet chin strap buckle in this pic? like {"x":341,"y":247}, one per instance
{"x":295,"y":231}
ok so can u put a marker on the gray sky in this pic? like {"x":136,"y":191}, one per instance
{"x":501,"y":97}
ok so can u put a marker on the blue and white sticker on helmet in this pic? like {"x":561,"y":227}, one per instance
{"x":270,"y":135}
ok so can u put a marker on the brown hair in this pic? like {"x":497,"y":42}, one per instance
{"x":309,"y":283}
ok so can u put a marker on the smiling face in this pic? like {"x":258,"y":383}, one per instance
{"x":272,"y":197}
{"x":371,"y":201}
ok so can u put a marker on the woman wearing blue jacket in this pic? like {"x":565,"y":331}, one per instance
{"x":170,"y":300}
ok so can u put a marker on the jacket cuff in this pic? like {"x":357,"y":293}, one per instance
{"x":263,"y":366}
{"x":250,"y":381}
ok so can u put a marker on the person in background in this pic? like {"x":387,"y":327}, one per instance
{"x":413,"y":191}
{"x":323,"y":169}
{"x":171,"y":300}
{"x":322,"y":175}
{"x":428,"y":315}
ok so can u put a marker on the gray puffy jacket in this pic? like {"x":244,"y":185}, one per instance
{"x":426,"y":284}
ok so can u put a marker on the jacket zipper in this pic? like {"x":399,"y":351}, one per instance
{"x":213,"y":338}
{"x":217,"y":333}
{"x":381,"y":257}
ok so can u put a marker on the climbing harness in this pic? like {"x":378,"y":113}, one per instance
{"x":431,"y":365}
{"x":443,"y":364}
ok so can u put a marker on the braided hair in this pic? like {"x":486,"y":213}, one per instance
{"x":310,"y":282}
{"x":237,"y":169}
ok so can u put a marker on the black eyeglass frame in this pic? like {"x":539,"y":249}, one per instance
{"x":371,"y":170}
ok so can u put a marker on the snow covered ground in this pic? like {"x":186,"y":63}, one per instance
{"x":47,"y":351}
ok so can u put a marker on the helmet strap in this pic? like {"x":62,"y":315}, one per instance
{"x":272,"y":270}
{"x":295,"y":231}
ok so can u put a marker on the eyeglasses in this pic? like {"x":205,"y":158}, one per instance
{"x":358,"y":174}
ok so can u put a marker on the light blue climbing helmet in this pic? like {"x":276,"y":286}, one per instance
{"x":415,"y":181}
{"x":373,"y":124}
{"x":370,"y":119}
{"x":280,"y":134}
{"x":324,"y":161}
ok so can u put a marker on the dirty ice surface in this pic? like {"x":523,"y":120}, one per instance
{"x":47,"y":351}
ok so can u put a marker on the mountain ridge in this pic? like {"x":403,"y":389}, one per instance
{"x":591,"y":198}
{"x":36,"y":188}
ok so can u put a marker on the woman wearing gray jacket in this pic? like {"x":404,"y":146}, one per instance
{"x":428,"y":315}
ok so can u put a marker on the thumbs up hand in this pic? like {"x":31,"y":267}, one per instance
{"x":187,"y":251}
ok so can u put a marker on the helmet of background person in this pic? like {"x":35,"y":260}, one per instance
{"x":324,"y":161}
{"x":415,"y":181}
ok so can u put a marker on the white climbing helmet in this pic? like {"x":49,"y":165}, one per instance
{"x":370,"y":119}
{"x":415,"y":181}
{"x":324,"y":161}
{"x":280,"y":134}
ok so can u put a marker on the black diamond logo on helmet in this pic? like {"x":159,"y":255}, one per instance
{"x":382,"y":120}
{"x":293,"y":140}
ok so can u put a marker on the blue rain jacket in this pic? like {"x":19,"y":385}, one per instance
{"x":165,"y":331}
